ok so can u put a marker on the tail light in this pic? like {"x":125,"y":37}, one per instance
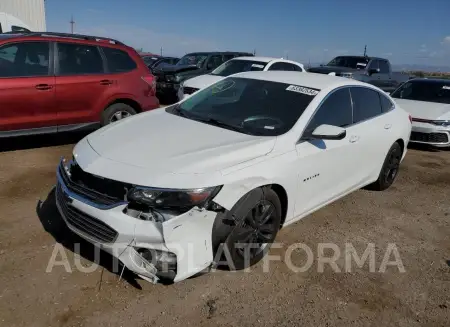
{"x":410,"y":119}
{"x":151,"y":81}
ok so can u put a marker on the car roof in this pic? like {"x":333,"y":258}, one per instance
{"x":216,"y":52}
{"x":262,"y":59}
{"x":430,"y":80}
{"x":316,"y":81}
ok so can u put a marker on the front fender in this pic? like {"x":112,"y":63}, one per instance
{"x":231,"y":193}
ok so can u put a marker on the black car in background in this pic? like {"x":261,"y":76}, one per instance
{"x":160,"y":62}
{"x":372,"y":70}
{"x":190,"y":65}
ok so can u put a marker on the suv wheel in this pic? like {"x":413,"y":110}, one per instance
{"x":116,"y":112}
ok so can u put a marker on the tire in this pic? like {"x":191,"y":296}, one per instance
{"x":389,"y":170}
{"x":230,"y":241}
{"x":111,"y":114}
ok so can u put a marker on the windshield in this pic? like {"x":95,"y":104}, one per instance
{"x":349,"y":62}
{"x":250,"y":106}
{"x":150,"y":60}
{"x":423,"y":90}
{"x":192,"y":59}
{"x":237,"y":66}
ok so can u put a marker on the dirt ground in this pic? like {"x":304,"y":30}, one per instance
{"x":414,"y":214}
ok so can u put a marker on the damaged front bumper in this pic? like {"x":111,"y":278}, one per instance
{"x":175,"y":249}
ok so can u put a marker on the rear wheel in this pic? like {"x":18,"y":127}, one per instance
{"x":116,"y":112}
{"x":390,"y":169}
{"x":257,"y":218}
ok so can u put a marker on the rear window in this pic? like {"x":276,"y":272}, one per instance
{"x":249,"y":106}
{"x":423,"y":90}
{"x":118,"y":61}
{"x":238,"y":66}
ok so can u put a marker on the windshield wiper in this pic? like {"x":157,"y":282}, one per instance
{"x":218,"y":123}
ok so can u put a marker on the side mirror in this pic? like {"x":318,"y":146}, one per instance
{"x":328,"y":132}
{"x":373,"y":71}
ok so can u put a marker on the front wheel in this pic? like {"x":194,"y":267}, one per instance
{"x":390,"y":169}
{"x":257,"y":218}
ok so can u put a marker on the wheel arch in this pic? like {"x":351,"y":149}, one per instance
{"x":128,"y":101}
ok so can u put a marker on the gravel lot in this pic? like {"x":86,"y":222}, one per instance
{"x":414,"y":214}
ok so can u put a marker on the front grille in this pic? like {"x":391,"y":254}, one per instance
{"x":429,"y":137}
{"x":99,"y":190}
{"x":86,"y":224}
{"x":189,"y":90}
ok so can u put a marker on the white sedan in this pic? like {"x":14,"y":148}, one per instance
{"x":428,"y":102}
{"x":168,"y":190}
{"x":234,"y":66}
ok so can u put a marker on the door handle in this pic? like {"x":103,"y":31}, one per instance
{"x":43,"y":87}
{"x":354,"y":138}
{"x":387,"y":126}
{"x":106,"y":82}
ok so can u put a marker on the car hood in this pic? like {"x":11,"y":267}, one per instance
{"x":161,"y":142}
{"x":202,"y":81}
{"x":177,"y":68}
{"x":331,"y":69}
{"x":425,"y":110}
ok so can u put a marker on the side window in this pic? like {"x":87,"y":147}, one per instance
{"x":296,"y":68}
{"x":366,"y":103}
{"x":386,"y":104}
{"x":384,"y":67}
{"x":15,"y":28}
{"x":118,"y":61}
{"x":24,"y":59}
{"x":79,"y":59}
{"x":214,"y":62}
{"x":374,"y":64}
{"x":277,"y":66}
{"x":336,"y":110}
{"x":228,"y":57}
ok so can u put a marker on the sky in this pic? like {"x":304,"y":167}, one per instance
{"x":404,"y":31}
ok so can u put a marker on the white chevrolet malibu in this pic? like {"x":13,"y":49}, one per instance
{"x":428,"y":102}
{"x":168,"y":190}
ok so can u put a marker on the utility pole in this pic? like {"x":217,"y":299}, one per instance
{"x":254,"y":52}
{"x":365,"y":50}
{"x":161,"y":51}
{"x":72,"y":23}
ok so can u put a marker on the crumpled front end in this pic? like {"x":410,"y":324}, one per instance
{"x":154,"y":244}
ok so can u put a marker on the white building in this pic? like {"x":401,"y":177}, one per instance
{"x":29,"y":14}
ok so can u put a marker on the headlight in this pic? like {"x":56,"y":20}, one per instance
{"x":170,"y":78}
{"x":443,"y":123}
{"x":166,"y":198}
{"x":178,"y":78}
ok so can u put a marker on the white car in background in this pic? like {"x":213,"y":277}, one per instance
{"x":234,"y":66}
{"x":428,"y":102}
{"x":166,"y":190}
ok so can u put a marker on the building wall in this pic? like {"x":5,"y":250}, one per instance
{"x":31,"y":12}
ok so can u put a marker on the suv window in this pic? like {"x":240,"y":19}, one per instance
{"x":118,"y":61}
{"x":79,"y":59}
{"x":228,"y":57}
{"x":366,"y":103}
{"x":384,"y":67}
{"x":214,"y":62}
{"x":374,"y":64}
{"x":336,"y":110}
{"x":24,"y":59}
{"x":15,"y":28}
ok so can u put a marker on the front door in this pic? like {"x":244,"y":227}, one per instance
{"x":326,"y":167}
{"x":27,"y":87}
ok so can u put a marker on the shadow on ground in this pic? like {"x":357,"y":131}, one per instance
{"x":40,"y":141}
{"x":53,"y":223}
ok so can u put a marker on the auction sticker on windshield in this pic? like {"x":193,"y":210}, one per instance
{"x":302,"y":89}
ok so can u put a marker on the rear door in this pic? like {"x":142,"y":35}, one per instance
{"x":27,"y":87}
{"x":81,"y":83}
{"x":374,"y":126}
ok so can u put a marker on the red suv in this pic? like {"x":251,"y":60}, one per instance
{"x":52,"y":82}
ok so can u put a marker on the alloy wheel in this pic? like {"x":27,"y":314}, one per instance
{"x":119,"y":115}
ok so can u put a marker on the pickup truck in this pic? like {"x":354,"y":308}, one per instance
{"x":372,"y":70}
{"x":169,"y":78}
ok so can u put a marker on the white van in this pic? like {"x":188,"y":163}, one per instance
{"x":9,"y":23}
